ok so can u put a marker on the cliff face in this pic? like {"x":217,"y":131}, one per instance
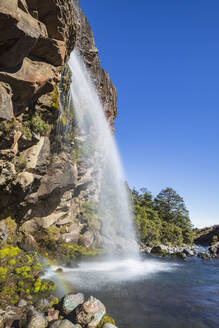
{"x":43,"y":184}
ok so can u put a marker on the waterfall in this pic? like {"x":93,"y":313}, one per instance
{"x":100,"y":149}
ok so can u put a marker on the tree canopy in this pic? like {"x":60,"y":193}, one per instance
{"x":163,"y":219}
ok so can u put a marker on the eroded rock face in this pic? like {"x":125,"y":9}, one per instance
{"x":43,"y":182}
{"x":36,"y":37}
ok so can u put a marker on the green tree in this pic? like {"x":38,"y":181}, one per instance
{"x":171,"y":208}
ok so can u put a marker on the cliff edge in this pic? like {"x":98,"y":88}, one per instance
{"x":43,"y":185}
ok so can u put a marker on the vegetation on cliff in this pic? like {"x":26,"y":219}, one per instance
{"x":163,"y":219}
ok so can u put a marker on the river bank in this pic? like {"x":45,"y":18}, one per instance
{"x":211,"y":252}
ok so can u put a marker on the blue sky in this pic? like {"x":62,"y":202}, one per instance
{"x":163,"y":58}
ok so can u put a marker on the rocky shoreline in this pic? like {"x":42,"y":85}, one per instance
{"x":212,"y":252}
{"x":72,"y":311}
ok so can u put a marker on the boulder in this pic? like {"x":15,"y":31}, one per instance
{"x":90,"y":312}
{"x":36,"y":319}
{"x":159,"y":249}
{"x":188,"y":251}
{"x":214,"y":249}
{"x":205,"y":255}
{"x":71,"y":301}
{"x":52,"y":315}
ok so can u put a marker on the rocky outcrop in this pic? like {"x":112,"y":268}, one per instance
{"x":44,"y":184}
{"x":207,"y":236}
{"x":36,"y":38}
{"x":89,"y":52}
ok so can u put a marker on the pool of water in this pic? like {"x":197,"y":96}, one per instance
{"x":149,"y":292}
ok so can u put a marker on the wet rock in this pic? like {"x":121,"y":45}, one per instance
{"x":90,"y":312}
{"x":159,"y":249}
{"x":182,"y":255}
{"x":189,"y":252}
{"x":87,"y":239}
{"x":62,"y":324}
{"x":71,"y":301}
{"x":36,"y":319}
{"x":205,"y":255}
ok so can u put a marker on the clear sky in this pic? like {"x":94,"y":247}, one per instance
{"x":163,"y":57}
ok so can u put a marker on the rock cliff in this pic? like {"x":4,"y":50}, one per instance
{"x":43,"y":183}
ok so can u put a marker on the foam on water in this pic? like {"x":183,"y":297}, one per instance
{"x":96,"y":274}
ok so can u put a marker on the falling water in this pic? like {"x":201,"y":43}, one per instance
{"x":94,"y":131}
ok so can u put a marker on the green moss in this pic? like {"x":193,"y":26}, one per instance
{"x":3,"y":272}
{"x":78,"y":251}
{"x":12,"y":262}
{"x":18,"y":276}
{"x":9,"y":251}
{"x":43,"y":286}
{"x":37,"y":267}
{"x":36,"y":124}
{"x":7,"y":126}
{"x":27,"y":259}
{"x":24,"y":271}
{"x":55,"y":97}
{"x":11,"y":229}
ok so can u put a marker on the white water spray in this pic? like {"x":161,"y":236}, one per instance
{"x":94,"y":130}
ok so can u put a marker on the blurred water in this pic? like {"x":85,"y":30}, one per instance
{"x":150,"y":293}
{"x":107,"y":174}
